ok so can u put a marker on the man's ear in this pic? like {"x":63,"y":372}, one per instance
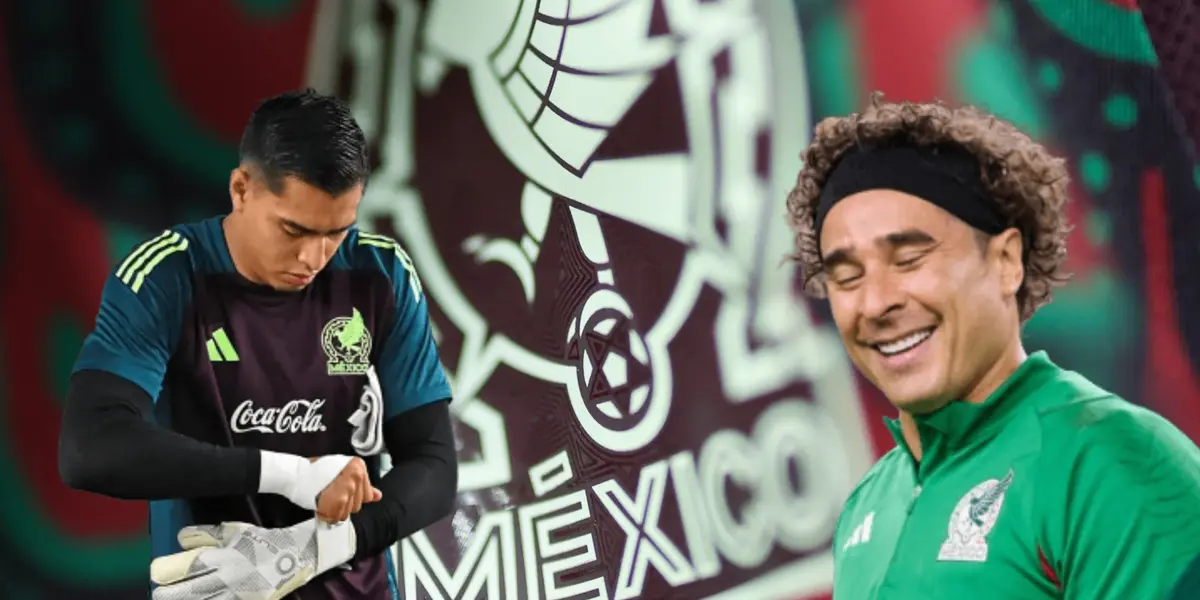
{"x":1006,"y":253}
{"x":239,"y":187}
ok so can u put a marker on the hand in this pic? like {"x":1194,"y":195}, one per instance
{"x":239,"y":561}
{"x":346,"y":494}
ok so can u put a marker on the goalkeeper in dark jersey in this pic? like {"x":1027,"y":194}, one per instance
{"x":246,"y":372}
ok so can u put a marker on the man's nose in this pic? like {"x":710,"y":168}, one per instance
{"x":879,"y":295}
{"x":313,"y":252}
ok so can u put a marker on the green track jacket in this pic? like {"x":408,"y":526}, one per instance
{"x":1052,"y":488}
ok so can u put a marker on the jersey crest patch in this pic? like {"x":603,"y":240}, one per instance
{"x":973,"y":519}
{"x":347,"y":344}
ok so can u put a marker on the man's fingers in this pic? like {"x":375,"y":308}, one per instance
{"x":356,"y":467}
{"x":363,"y":495}
{"x":199,"y":536}
{"x":347,"y":503}
{"x":343,"y":508}
{"x":330,"y":507}
{"x":173,"y":568}
{"x":366,"y":494}
{"x":352,"y":500}
{"x":337,"y":511}
{"x":366,"y":491}
{"x":346,"y":495}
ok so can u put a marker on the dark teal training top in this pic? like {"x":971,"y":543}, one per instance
{"x":233,"y":363}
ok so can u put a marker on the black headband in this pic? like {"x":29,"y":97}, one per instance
{"x":946,"y":176}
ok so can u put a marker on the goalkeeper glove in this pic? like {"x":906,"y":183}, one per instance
{"x":239,"y":561}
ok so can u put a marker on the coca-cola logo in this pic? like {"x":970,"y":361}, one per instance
{"x":297,"y":416}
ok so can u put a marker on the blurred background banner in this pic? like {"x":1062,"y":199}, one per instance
{"x":593,"y":194}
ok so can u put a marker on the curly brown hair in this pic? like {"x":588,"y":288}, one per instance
{"x":1028,"y":182}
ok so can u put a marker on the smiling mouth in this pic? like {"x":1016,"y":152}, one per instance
{"x":903,"y":344}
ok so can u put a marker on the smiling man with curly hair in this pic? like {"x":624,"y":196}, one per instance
{"x":935,"y":232}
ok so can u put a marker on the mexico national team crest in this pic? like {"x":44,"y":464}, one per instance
{"x":592,"y":192}
{"x":973,"y":519}
{"x":347,"y":344}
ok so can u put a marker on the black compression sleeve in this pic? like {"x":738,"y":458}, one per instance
{"x":107,"y":445}
{"x":422,"y":484}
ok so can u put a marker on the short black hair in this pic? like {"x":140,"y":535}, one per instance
{"x":309,"y":136}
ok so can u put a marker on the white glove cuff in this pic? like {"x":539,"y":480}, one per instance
{"x":297,"y":479}
{"x":336,"y":544}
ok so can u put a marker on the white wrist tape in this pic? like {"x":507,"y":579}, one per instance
{"x":297,"y":479}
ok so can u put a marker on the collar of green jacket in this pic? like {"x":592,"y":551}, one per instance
{"x":961,"y":424}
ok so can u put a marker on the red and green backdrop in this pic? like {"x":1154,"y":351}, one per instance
{"x":120,"y":117}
